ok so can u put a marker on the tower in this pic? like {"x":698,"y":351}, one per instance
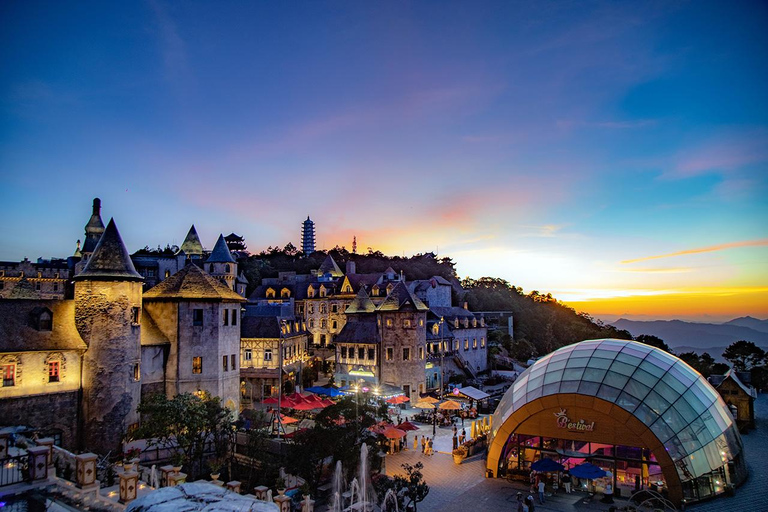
{"x":107,"y":314}
{"x":93,"y":231}
{"x":354,"y":245}
{"x":221,"y":265}
{"x":308,"y":237}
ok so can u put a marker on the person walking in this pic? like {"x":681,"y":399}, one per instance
{"x":424,"y":444}
{"x":416,"y":442}
{"x":455,"y":442}
{"x":541,"y":491}
{"x":530,"y":502}
{"x":521,"y":506}
{"x":567,"y":482}
{"x":430,"y":447}
{"x":462,"y":436}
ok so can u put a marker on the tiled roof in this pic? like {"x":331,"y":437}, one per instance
{"x":110,"y":260}
{"x":400,"y":298}
{"x":192,"y":283}
{"x":191,"y":244}
{"x":361,"y":304}
{"x":220,"y":253}
{"x":329,"y":266}
{"x":363,"y":331}
{"x":18,"y":331}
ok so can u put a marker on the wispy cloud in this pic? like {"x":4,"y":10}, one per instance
{"x":724,"y":154}
{"x":711,"y":248}
{"x":608,"y":125}
{"x":172,"y":45}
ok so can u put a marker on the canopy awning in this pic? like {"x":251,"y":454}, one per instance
{"x":473,"y":393}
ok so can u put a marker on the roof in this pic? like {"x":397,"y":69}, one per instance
{"x":268,"y":327}
{"x":19,"y":334}
{"x":361,"y":304}
{"x":400,"y":298}
{"x":150,"y":333}
{"x":452,"y":312}
{"x":682,"y":410}
{"x":110,"y":260}
{"x":363,"y":331}
{"x":329,"y":266}
{"x":191,"y":244}
{"x":730,"y":374}
{"x":192,"y":283}
{"x":473,"y":393}
{"x":220,"y":253}
{"x":94,"y":228}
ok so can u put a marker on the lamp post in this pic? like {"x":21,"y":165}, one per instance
{"x":280,"y":375}
{"x":442,"y":351}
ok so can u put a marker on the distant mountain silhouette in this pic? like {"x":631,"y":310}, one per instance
{"x":685,"y":336}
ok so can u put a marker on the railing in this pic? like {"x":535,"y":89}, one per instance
{"x":14,"y":470}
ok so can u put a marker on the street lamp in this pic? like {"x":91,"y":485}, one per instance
{"x":280,"y":376}
{"x":442,"y":351}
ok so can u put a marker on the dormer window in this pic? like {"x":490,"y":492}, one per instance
{"x":285,"y":293}
{"x":42,"y":319}
{"x":346,"y":289}
{"x":435,"y":329}
{"x":474,"y":322}
{"x":310,"y":292}
{"x":375,"y":291}
{"x":270,"y":293}
{"x":466,"y":323}
{"x":456,"y":323}
{"x":389,"y":288}
{"x":322,"y":291}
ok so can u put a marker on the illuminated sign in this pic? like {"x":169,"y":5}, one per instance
{"x":362,"y":373}
{"x":563,"y":421}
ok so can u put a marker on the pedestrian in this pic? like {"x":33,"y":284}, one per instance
{"x":462,"y":436}
{"x":567,"y":482}
{"x":521,"y":506}
{"x":455,"y":442}
{"x":455,"y":430}
{"x":424,"y":444}
{"x":608,"y":493}
{"x":541,"y":491}
{"x":530,"y":502}
{"x":430,"y":447}
{"x":416,"y":442}
{"x":462,"y":420}
{"x":405,"y":441}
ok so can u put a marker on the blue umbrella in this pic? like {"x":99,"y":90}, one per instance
{"x":320,"y":390}
{"x":546,"y":465}
{"x":587,"y":471}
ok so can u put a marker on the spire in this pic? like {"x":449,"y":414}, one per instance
{"x":329,"y":266}
{"x":192,"y":245}
{"x":78,"y":254}
{"x":94,"y":229}
{"x":110,"y":260}
{"x":400,"y":298}
{"x":361,"y":304}
{"x":220,"y":253}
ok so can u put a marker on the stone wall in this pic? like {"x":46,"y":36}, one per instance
{"x":395,"y":335}
{"x":49,"y":411}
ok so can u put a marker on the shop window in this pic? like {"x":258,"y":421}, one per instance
{"x":197,"y":364}
{"x":197,"y":317}
{"x":9,"y":375}
{"x":53,"y":371}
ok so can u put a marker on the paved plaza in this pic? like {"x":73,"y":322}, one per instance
{"x":464,"y":488}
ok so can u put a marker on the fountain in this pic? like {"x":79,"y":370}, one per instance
{"x":390,"y":496}
{"x":338,"y":489}
{"x":361,"y":495}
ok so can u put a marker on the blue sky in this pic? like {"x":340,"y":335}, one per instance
{"x":542,"y":142}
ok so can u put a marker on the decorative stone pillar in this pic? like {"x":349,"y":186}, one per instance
{"x":217,"y":483}
{"x":175,"y":479}
{"x":85,"y":470}
{"x":47,"y":441}
{"x":165,"y":471}
{"x":234,"y":486}
{"x":307,"y":504}
{"x":129,"y":481}
{"x":261,"y":492}
{"x":283,"y":502}
{"x":38,"y":462}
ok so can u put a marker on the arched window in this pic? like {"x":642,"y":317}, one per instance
{"x":311,"y":323}
{"x":310,"y":291}
{"x":323,"y":308}
{"x":226,"y":268}
{"x":45,"y":322}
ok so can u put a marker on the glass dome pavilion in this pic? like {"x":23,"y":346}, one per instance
{"x":615,"y":398}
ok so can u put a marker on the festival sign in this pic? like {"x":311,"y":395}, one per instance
{"x":563,"y":421}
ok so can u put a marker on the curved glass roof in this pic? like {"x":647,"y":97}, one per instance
{"x":687,"y":415}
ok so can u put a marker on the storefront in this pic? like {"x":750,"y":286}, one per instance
{"x":631,"y":409}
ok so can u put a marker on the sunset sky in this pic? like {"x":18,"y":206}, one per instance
{"x":614,"y":154}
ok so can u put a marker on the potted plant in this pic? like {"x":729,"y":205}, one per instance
{"x":280,"y":485}
{"x":216,"y":465}
{"x":459,"y":454}
{"x":132,"y":455}
{"x":177,"y":461}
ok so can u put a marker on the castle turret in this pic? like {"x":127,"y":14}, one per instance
{"x":221,"y":265}
{"x":93,"y":231}
{"x":107,"y":314}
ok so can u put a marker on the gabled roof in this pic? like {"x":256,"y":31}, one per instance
{"x":401,"y":299}
{"x":358,"y":332}
{"x":192,"y":283}
{"x":150,"y":332}
{"x":110,"y":260}
{"x":17,"y":333}
{"x":452,"y":312}
{"x":220,"y":253}
{"x":361,"y":304}
{"x":730,"y":374}
{"x":329,"y":266}
{"x":192,"y":245}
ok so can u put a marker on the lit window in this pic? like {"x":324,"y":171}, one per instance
{"x":167,"y":274}
{"x":482,"y":342}
{"x":421,"y":352}
{"x":389,"y":322}
{"x":406,"y":354}
{"x":466,"y":344}
{"x":248,"y":354}
{"x":474,"y":343}
{"x":270,"y":293}
{"x":390,"y":353}
{"x":137,"y":371}
{"x":311,"y":309}
{"x":421,"y":322}
{"x":268,"y":354}
{"x":53,"y":371}
{"x":197,"y":365}
{"x":197,"y":317}
{"x":224,"y":363}
{"x":407,"y":322}
{"x":9,"y":375}
{"x":285,"y":293}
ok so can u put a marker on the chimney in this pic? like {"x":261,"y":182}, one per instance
{"x":466,"y":305}
{"x":350,"y":267}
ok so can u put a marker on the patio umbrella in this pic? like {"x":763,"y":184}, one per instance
{"x":450,"y":405}
{"x":327,"y":402}
{"x":296,"y":397}
{"x":287,"y":420}
{"x":393,"y":433}
{"x":271,"y":400}
{"x":285,"y":403}
{"x":587,"y":471}
{"x":421,"y":404}
{"x":407,"y":425}
{"x":306,"y":406}
{"x":546,"y":465}
{"x":429,"y":399}
{"x":399,"y":399}
{"x":332,"y":391}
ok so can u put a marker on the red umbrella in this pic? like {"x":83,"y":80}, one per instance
{"x":326,"y":402}
{"x":393,"y":433}
{"x":399,"y":399}
{"x":306,"y":406}
{"x":287,"y":403}
{"x":297,"y":397}
{"x":407,"y":425}
{"x":291,"y":434}
{"x":271,"y":400}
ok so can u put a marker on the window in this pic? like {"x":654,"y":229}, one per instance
{"x":310,"y":309}
{"x":150,"y":272}
{"x":310,"y":294}
{"x":270,"y":293}
{"x":322,"y":292}
{"x":323,"y":324}
{"x":343,"y":352}
{"x":407,"y":322}
{"x":9,"y":375}
{"x":334,"y":324}
{"x":421,"y":352}
{"x":466,"y":344}
{"x":455,"y":344}
{"x":406,"y":354}
{"x":197,"y":317}
{"x":232,"y":362}
{"x":53,"y":371}
{"x":135,"y":315}
{"x":224,"y":363}
{"x":360,"y":353}
{"x":421,"y":322}
{"x":55,"y":287}
{"x":482,"y":342}
{"x":210,"y":268}
{"x":37,"y":286}
{"x":167,"y":274}
{"x":225,"y":317}
{"x":323,"y":308}
{"x":268,"y":354}
{"x":137,"y":371}
{"x":285,"y":293}
{"x":474,"y":343}
{"x":371,"y":354}
{"x":390,"y":353}
{"x":334,"y":308}
{"x":226,"y":269}
{"x":45,"y":320}
{"x":197,"y":364}
{"x":311,"y":323}
{"x":389,"y":322}
{"x":248,"y":354}
{"x":234,"y":317}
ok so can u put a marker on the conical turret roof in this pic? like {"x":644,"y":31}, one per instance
{"x":400,"y":298}
{"x":361,"y":303}
{"x":220,"y":253}
{"x":192,"y":245}
{"x":329,"y":266}
{"x":192,"y":283}
{"x":110,"y":260}
{"x":94,"y":229}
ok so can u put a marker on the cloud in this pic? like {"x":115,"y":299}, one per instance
{"x":673,"y":270}
{"x":724,"y":154}
{"x":608,"y":125}
{"x":712,"y":248}
{"x":172,"y":45}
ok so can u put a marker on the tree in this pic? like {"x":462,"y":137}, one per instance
{"x":188,"y":425}
{"x":411,"y":486}
{"x":704,"y":364}
{"x":744,"y":355}
{"x":654,"y":341}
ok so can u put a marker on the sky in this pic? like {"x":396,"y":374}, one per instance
{"x":614,"y":154}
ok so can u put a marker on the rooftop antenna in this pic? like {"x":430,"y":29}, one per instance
{"x":354,"y":245}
